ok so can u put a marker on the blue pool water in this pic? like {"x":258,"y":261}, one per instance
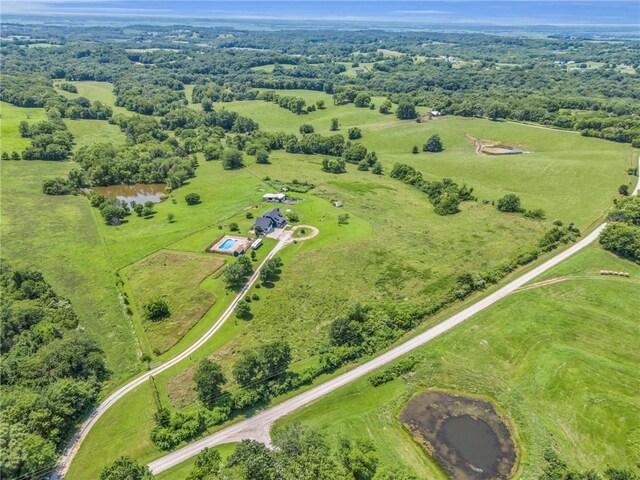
{"x":228,"y":244}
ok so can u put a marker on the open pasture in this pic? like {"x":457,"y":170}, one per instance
{"x":556,"y":359}
{"x":176,"y":278}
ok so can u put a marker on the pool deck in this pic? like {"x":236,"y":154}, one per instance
{"x":241,"y":246}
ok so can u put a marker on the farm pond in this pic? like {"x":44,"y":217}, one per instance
{"x":466,"y":436}
{"x":139,"y":192}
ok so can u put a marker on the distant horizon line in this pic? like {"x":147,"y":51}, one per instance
{"x":439,"y":23}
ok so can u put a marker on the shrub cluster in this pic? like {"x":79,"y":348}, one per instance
{"x":396,"y":370}
{"x":622,"y":234}
{"x":295,"y":104}
{"x":50,"y":140}
{"x":445,"y":195}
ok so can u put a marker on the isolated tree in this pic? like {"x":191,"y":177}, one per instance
{"x":354,"y":153}
{"x":156,"y":309}
{"x":126,"y":468}
{"x":386,"y":106}
{"x":434,"y":144}
{"x":209,"y":380}
{"x":509,"y":203}
{"x":192,"y":198}
{"x":362,"y":100}
{"x":5,"y":156}
{"x":623,"y":190}
{"x":406,"y":111}
{"x":112,"y":214}
{"x":270,"y":269}
{"x":447,"y":204}
{"x":415,"y":149}
{"x":306,"y":128}
{"x":376,"y":169}
{"x":334,"y":165}
{"x":171,"y":217}
{"x":334,"y":125}
{"x":354,"y":133}
{"x":243,"y":311}
{"x":320,"y":104}
{"x":232,"y":159}
{"x":262,"y":156}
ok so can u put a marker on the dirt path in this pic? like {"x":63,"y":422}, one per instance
{"x":552,"y":281}
{"x":258,"y":426}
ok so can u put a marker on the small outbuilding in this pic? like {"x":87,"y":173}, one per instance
{"x":274,"y":197}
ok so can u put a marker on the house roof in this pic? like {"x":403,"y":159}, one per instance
{"x":262,"y":223}
{"x":275,"y":215}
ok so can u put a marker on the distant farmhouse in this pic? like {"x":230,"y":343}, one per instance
{"x":269,"y":221}
{"x":358,"y":70}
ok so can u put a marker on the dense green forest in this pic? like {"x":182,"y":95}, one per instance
{"x":168,"y":106}
{"x":51,"y":372}
{"x":570,"y":83}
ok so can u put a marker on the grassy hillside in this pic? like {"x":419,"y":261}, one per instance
{"x":557,"y":359}
{"x":393,"y":247}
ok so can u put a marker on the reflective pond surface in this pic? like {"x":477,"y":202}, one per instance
{"x":139,"y":192}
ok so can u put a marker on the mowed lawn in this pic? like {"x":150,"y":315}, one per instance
{"x":175,"y":278}
{"x":559,"y":360}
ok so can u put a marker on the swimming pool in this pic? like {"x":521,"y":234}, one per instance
{"x":228,"y":244}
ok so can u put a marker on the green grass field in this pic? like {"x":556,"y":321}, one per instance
{"x":101,"y":91}
{"x":59,"y":236}
{"x":394,"y":247}
{"x":176,"y":278}
{"x":10,"y":118}
{"x":559,"y":360}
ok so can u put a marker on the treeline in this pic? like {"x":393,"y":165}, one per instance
{"x":210,"y":93}
{"x":296,"y":105}
{"x":140,"y":95}
{"x":187,"y":118}
{"x":259,"y":375}
{"x":24,"y":91}
{"x":298,"y":453}
{"x":148,"y":162}
{"x":445,"y":196}
{"x":51,"y":373}
{"x":365,"y":329}
{"x":622,"y":233}
{"x":50,"y":139}
{"x":494,"y":77}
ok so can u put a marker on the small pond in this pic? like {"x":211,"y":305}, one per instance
{"x":466,"y":436}
{"x":139,"y":192}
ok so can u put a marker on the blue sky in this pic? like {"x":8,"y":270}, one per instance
{"x":443,"y":12}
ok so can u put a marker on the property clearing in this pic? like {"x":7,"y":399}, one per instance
{"x":175,"y":277}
